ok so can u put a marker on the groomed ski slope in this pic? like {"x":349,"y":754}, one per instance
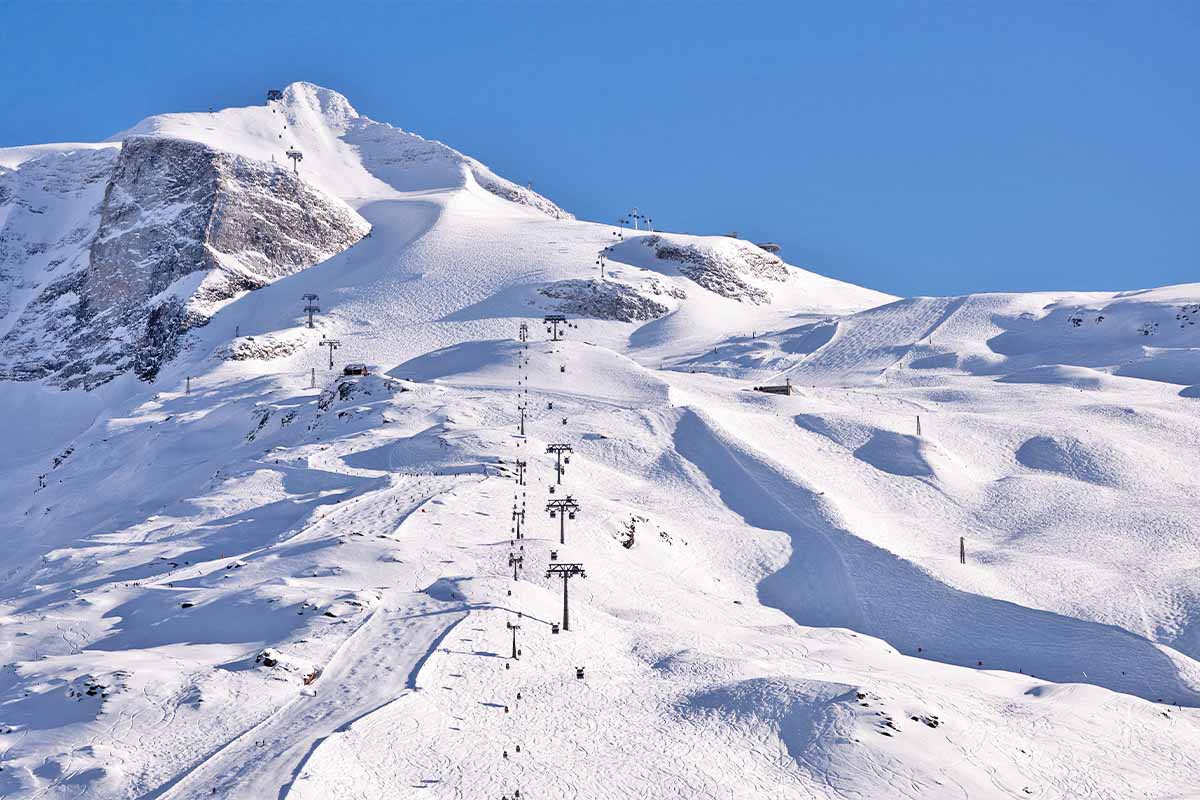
{"x":791,"y":621}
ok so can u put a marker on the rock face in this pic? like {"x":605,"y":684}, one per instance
{"x":608,"y":300}
{"x":515,"y":194}
{"x":182,"y":228}
{"x":723,"y":269}
{"x":49,"y":211}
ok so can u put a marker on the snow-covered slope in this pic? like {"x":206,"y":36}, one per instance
{"x":245,"y":575}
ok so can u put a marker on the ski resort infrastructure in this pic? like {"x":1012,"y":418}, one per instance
{"x":336,"y":465}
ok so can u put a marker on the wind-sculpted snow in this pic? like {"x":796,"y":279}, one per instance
{"x":1072,"y":458}
{"x":403,"y":159}
{"x":889,"y":451}
{"x":411,"y":163}
{"x":1070,"y":339}
{"x":799,"y":712}
{"x":1050,"y":374}
{"x":837,"y":579}
{"x":770,"y":352}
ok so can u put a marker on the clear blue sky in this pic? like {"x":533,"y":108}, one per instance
{"x":918,"y":148}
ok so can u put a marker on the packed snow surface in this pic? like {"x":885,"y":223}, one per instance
{"x":255,"y":577}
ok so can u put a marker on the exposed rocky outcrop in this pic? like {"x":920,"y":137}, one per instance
{"x":608,"y":300}
{"x":260,"y":348}
{"x":182,"y":229}
{"x":723,"y":269}
{"x":49,"y":211}
{"x":514,"y":193}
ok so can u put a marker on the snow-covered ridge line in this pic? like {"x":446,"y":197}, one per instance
{"x":345,"y":152}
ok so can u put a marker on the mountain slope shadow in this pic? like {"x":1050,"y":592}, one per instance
{"x":834,"y":578}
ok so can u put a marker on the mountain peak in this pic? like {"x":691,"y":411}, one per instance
{"x":303,"y":96}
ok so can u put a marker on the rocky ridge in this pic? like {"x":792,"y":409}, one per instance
{"x":182,"y":228}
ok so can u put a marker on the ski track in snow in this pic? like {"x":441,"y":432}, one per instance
{"x":359,"y":680}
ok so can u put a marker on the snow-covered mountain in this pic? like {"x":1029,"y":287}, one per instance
{"x":230,"y":570}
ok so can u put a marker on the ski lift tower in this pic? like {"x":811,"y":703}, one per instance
{"x":514,"y":627}
{"x":554,"y":320}
{"x":566,"y":571}
{"x":564,"y":509}
{"x":311,"y":307}
{"x":296,"y":156}
{"x":558,"y":450}
{"x":332,"y":344}
{"x":633,"y":218}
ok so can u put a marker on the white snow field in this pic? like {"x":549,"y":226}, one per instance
{"x":230,"y":582}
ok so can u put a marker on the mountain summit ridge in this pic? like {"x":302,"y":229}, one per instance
{"x":346,"y":152}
